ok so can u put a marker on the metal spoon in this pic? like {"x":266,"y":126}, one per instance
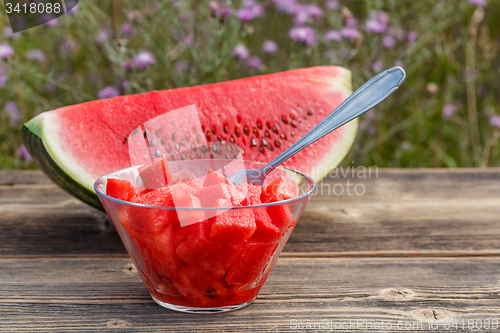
{"x":363,"y":99}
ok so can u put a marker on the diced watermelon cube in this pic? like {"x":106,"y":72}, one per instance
{"x":201,"y":288}
{"x":193,"y":243}
{"x":285,"y":187}
{"x":183,"y":197}
{"x":155,"y":175}
{"x":221,"y":260}
{"x":252,"y":194}
{"x":232,"y":225}
{"x":281,"y":214}
{"x":159,"y":250}
{"x":213,"y":178}
{"x":120,"y":189}
{"x":152,"y":220}
{"x":266,"y":230}
{"x":252,"y":263}
{"x":210,"y":194}
{"x":187,"y":177}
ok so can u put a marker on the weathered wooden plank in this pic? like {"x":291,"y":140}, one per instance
{"x":104,"y":294}
{"x":424,"y":212}
{"x":9,"y":177}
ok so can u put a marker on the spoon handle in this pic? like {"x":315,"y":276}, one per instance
{"x":363,"y":99}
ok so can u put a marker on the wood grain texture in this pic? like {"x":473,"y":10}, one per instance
{"x":104,"y":294}
{"x":417,"y":246}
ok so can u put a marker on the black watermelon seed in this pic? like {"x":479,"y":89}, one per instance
{"x":292,"y":116}
{"x":231,"y":139}
{"x":242,"y":151}
{"x":219,"y":137}
{"x":177,"y":147}
{"x":245,"y":129}
{"x":162,"y":141}
{"x":237,"y":132}
{"x":264,"y":142}
{"x":208,"y":134}
{"x":213,"y":130}
{"x":268,"y":125}
{"x":173,"y":157}
{"x":145,"y":135}
{"x":283,"y":136}
{"x":292,"y":133}
{"x":254,"y":142}
{"x":255,"y":131}
{"x":259,"y":124}
{"x":261,"y":149}
{"x":266,"y":134}
{"x":157,"y":133}
{"x":283,"y":119}
{"x":226,"y":129}
{"x":277,"y":144}
{"x":293,"y":123}
{"x":275,"y":130}
{"x":125,"y":138}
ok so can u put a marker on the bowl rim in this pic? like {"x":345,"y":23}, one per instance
{"x":297,"y":198}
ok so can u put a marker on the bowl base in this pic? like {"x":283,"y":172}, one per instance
{"x":189,"y":309}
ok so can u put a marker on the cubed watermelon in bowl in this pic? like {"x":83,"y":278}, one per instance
{"x":203,"y":248}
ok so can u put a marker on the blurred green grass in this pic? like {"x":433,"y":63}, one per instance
{"x":448,"y":66}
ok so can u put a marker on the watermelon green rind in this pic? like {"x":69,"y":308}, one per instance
{"x":45,"y":162}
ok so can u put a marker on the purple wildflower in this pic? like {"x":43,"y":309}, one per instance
{"x":225,"y":13}
{"x":377,"y":22}
{"x":389,"y":41}
{"x":181,"y":66}
{"x":270,"y":47}
{"x":301,"y":19}
{"x":188,"y":40}
{"x":36,"y":55}
{"x":303,"y":34}
{"x":333,"y":35}
{"x":449,"y":110}
{"x":255,"y":63}
{"x":127,"y":29}
{"x":250,"y":10}
{"x":7,"y":33}
{"x":313,"y":10}
{"x":23,"y":154}
{"x":351,"y":22}
{"x":3,"y":77}
{"x":333,"y":5}
{"x":351,"y":33}
{"x":126,"y":85}
{"x":480,"y":3}
{"x":495,"y":121}
{"x":103,"y":36}
{"x":5,"y":51}
{"x":412,"y":35}
{"x":285,"y":6}
{"x":108,"y":92}
{"x":13,"y":112}
{"x":143,"y":59}
{"x":241,"y":52}
{"x":377,"y":66}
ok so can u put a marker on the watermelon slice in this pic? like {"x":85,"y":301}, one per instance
{"x":264,"y":115}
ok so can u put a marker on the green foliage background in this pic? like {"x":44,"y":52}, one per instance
{"x":448,"y":63}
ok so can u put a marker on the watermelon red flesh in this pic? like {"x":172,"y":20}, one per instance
{"x":263,"y":114}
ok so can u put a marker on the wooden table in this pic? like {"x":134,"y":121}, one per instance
{"x":416,"y":247}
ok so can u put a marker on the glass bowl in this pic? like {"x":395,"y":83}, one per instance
{"x":186,"y":270}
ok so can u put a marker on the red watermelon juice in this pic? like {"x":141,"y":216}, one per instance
{"x":202,"y":245}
